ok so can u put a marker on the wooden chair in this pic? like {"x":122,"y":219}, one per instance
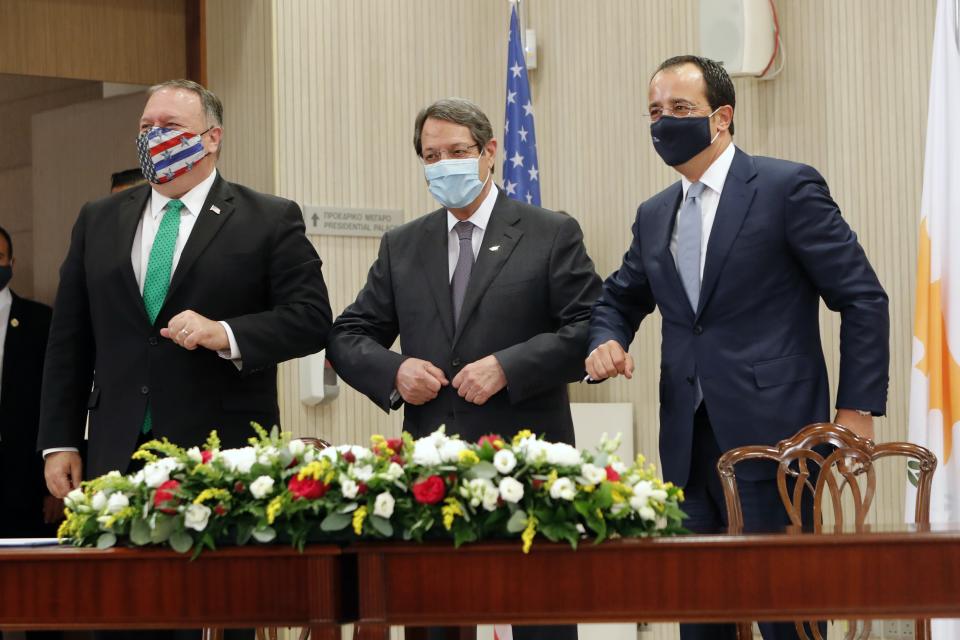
{"x":847,"y":469}
{"x":271,"y":633}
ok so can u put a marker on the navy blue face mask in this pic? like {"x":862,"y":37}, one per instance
{"x":5,"y":274}
{"x":677,"y":140}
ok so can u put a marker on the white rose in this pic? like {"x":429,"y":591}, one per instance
{"x":511,"y":490}
{"x":438,"y":437}
{"x":647,"y":513}
{"x":563,"y":489}
{"x":619,"y":467}
{"x":156,"y":473}
{"x":348,"y":488}
{"x":239,"y":460}
{"x":450,"y":450}
{"x":618,"y":507}
{"x":117,"y":502}
{"x":363,"y":473}
{"x":137,"y":478}
{"x":562,"y":455}
{"x":504,"y":461}
{"x":480,"y":490}
{"x":425,"y":453}
{"x":309,"y":455}
{"x":593,"y":474}
{"x":394,"y":472}
{"x":383,"y":505}
{"x":99,"y":501}
{"x":75,"y":498}
{"x":296,"y":448}
{"x":196,"y":517}
{"x":268,"y":456}
{"x":194,"y":454}
{"x":491,"y":498}
{"x":261,"y":487}
{"x":534,"y":450}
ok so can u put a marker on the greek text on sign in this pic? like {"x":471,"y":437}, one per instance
{"x":341,"y":221}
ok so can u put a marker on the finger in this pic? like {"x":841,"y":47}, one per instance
{"x":458,"y":379}
{"x":607,"y":367}
{"x":465,"y":389}
{"x":590,"y":364}
{"x":191,"y":339}
{"x":76,"y":471}
{"x":429,"y":383}
{"x":481,"y":398}
{"x":628,"y":367}
{"x":437,"y":373}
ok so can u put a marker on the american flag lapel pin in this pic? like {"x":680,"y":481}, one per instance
{"x":215,"y":209}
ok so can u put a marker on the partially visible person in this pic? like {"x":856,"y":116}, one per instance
{"x":28,"y":510}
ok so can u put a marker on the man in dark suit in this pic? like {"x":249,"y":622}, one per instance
{"x":736,"y":255}
{"x":27,"y":507}
{"x":490,"y":298}
{"x":176,"y":302}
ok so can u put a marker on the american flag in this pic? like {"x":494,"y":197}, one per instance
{"x":521,"y":171}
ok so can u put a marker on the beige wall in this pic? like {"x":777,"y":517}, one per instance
{"x":20,"y":98}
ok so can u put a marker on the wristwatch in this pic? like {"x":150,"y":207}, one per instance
{"x":396,"y":400}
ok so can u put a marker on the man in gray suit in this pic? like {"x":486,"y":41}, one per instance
{"x":490,"y":298}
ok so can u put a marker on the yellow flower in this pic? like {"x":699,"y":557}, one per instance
{"x":119,"y":515}
{"x":316,"y":469}
{"x":528,"y":533}
{"x":212,"y":494}
{"x":376,"y":439}
{"x":550,"y":480}
{"x":358,"y":517}
{"x":587,"y":488}
{"x":143,"y":454}
{"x":450,"y":512}
{"x":68,"y":526}
{"x":524,"y":433}
{"x":680,"y":495}
{"x":468,"y":457}
{"x":616,"y":494}
{"x":273,"y":509}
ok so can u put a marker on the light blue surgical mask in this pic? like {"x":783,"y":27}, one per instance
{"x":455,"y":183}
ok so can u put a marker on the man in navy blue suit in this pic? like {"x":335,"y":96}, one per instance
{"x":737,"y":255}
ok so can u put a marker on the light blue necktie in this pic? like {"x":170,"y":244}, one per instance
{"x":689,"y":235}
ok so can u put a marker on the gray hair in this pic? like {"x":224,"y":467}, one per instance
{"x":212,"y":107}
{"x":458,"y":111}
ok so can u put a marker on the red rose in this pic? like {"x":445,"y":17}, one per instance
{"x":429,"y":491}
{"x":205,"y":456}
{"x":395,"y":443}
{"x":537,"y":484}
{"x":164,"y":499}
{"x":307,"y":489}
{"x":220,"y":510}
{"x":495,"y":441}
{"x":238,"y":487}
{"x":293,"y":463}
{"x":349,"y":457}
{"x":452,"y":478}
{"x":362,"y":488}
{"x":397,"y":459}
{"x":612,"y":475}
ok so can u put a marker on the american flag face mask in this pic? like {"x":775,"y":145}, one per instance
{"x":166,"y":154}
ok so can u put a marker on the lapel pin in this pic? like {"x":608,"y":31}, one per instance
{"x":14,"y":323}
{"x":215,"y":209}
{"x":494,"y":247}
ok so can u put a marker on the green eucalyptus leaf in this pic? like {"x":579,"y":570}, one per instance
{"x":336,"y":522}
{"x":140,"y":533}
{"x":483,"y":469}
{"x":181,"y":541}
{"x":106,"y":540}
{"x":162,"y":529}
{"x":244,"y":531}
{"x":517,"y":522}
{"x":264,"y":534}
{"x":382,"y":525}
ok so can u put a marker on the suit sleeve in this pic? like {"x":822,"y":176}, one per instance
{"x":553,"y":358}
{"x":69,"y":360}
{"x":297,"y":317}
{"x":361,"y":337}
{"x":625,"y":301}
{"x":834,"y":260}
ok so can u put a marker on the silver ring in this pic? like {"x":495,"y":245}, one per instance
{"x":185,"y":332}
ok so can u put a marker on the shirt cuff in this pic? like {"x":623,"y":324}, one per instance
{"x":233,"y":353}
{"x":47,"y":452}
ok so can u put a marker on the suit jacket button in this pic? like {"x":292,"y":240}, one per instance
{"x":697,"y":330}
{"x":456,"y":362}
{"x":690,"y":379}
{"x":153,"y":341}
{"x":144,"y":389}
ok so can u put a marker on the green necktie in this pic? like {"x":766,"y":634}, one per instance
{"x":157,"y":280}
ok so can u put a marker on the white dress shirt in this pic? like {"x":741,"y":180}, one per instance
{"x":480,"y":220}
{"x":6,"y":301}
{"x":713,"y":179}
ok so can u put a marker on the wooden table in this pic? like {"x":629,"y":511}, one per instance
{"x":895,"y":574}
{"x":70,"y":588}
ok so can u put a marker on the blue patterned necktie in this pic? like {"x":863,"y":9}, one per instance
{"x":157,"y":279}
{"x":689,"y":239}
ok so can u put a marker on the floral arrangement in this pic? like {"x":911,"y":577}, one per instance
{"x":437,"y":487}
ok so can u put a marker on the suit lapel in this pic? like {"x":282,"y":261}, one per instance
{"x":732,"y":209}
{"x":501,"y":233}
{"x":128,"y":219}
{"x":664,"y":221}
{"x":432,"y":251}
{"x":204,"y":229}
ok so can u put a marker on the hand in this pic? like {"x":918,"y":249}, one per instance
{"x":52,"y":510}
{"x":479,"y":381}
{"x":63,"y":471}
{"x":419,"y":381}
{"x":190,"y":330}
{"x":860,"y":425}
{"x":608,"y":361}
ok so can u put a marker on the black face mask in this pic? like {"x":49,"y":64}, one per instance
{"x":677,"y":140}
{"x":5,"y":274}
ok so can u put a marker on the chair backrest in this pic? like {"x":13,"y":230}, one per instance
{"x":844,"y":462}
{"x":316,"y":443}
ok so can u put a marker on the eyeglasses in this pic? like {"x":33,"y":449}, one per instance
{"x":432,"y":156}
{"x":679,"y":110}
